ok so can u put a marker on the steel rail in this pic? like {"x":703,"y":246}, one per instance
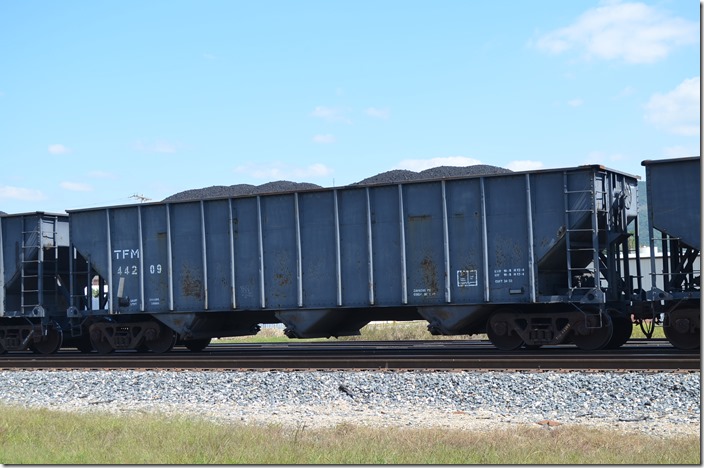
{"x":391,"y":357}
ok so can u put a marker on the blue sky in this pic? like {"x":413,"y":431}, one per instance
{"x":103,"y":100}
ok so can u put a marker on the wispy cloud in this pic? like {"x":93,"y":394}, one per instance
{"x":625,"y":92}
{"x":633,"y":32}
{"x":679,"y":152}
{"x":58,"y":148}
{"x":676,"y":111}
{"x":76,"y":187}
{"x":423,"y":164}
{"x":19,"y":193}
{"x":324,"y":139}
{"x":525,"y":165}
{"x":576,"y":102}
{"x":378,"y":113}
{"x":157,"y":146}
{"x":283,"y":171}
{"x":331,"y":114}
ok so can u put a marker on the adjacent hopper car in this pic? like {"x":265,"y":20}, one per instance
{"x":530,"y":258}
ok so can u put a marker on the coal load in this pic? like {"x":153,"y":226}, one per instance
{"x":389,"y":177}
{"x":238,"y":190}
{"x":440,"y":172}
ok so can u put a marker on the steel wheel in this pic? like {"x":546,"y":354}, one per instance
{"x":143,"y":348}
{"x":501,"y":334}
{"x":681,"y":330}
{"x":623,"y":328}
{"x":49,"y":343}
{"x":100,"y":342}
{"x":164,"y":342}
{"x":589,"y":336}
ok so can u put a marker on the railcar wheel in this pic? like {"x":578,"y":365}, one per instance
{"x":680,"y":329}
{"x":501,"y":335}
{"x":164,"y":342}
{"x":590,"y":337}
{"x":197,"y":345}
{"x":99,"y":342}
{"x":623,"y":328}
{"x":51,"y":342}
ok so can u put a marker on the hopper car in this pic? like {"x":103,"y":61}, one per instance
{"x":674,"y":214}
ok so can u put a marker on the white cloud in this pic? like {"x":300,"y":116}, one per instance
{"x":76,"y":187}
{"x":331,"y":114}
{"x":525,"y":165}
{"x":158,"y":146}
{"x":678,"y":110}
{"x":576,"y":102}
{"x":58,"y":148}
{"x":324,"y":139}
{"x":625,"y":92}
{"x":283,"y":171}
{"x":423,"y":164}
{"x":679,"y":152}
{"x":634,"y":32}
{"x":378,"y":113}
{"x":19,"y":193}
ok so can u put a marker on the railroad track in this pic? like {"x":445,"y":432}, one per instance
{"x":419,"y":355}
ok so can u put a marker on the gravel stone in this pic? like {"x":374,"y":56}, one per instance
{"x":459,"y":400}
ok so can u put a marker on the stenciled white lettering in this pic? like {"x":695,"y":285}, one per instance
{"x":125,"y":253}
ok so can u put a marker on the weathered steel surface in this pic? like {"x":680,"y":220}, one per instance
{"x":457,"y":242}
{"x":674,"y":198}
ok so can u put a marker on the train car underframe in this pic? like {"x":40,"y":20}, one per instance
{"x":19,"y":334}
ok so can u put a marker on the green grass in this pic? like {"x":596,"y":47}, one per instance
{"x":638,"y":333}
{"x":50,"y":437}
{"x":396,"y":331}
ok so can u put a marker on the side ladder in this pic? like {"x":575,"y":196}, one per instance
{"x":38,"y":268}
{"x":583,"y":204}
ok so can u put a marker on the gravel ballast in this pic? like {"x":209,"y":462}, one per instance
{"x":661,"y":404}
